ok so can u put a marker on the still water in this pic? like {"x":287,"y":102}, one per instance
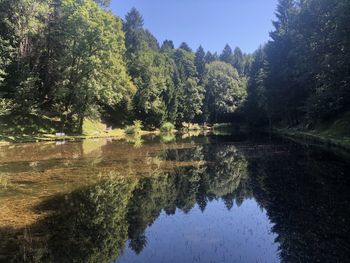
{"x":173,"y":199}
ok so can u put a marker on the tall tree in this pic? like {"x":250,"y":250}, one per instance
{"x":227,"y":55}
{"x":209,"y":57}
{"x":185,"y":47}
{"x":225,"y":89}
{"x":190,"y":93}
{"x":92,"y":68}
{"x":200,"y":62}
{"x":167,"y":46}
{"x":238,"y":60}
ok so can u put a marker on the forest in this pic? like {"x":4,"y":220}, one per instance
{"x":65,"y":61}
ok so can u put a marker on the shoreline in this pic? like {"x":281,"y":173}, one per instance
{"x":120,"y":134}
{"x":337,"y":146}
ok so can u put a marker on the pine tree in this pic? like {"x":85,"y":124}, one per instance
{"x":200,"y":62}
{"x":185,"y":47}
{"x":227,"y":55}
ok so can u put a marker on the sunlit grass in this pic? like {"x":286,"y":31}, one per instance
{"x":4,"y":182}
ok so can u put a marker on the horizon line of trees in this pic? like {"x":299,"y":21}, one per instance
{"x":301,"y":77}
{"x":73,"y":59}
{"x":67,"y":60}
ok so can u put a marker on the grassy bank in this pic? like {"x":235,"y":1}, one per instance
{"x":333,"y":134}
{"x":45,"y":130}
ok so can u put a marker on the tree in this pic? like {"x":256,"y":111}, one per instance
{"x":225,"y":89}
{"x":103,"y":3}
{"x":238,"y":60}
{"x":167,"y":46}
{"x":199,"y":61}
{"x":151,"y":71}
{"x":92,"y":68}
{"x":134,"y":32}
{"x":227,"y":55}
{"x":193,"y":97}
{"x":256,"y":105}
{"x":190,"y":93}
{"x":185,"y":47}
{"x":209,"y":57}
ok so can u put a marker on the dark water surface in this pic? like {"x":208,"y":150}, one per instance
{"x":194,"y":199}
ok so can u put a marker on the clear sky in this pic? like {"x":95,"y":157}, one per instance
{"x":212,"y":23}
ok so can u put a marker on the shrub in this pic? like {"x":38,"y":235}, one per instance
{"x":5,"y":106}
{"x":167,"y":127}
{"x":191,"y":126}
{"x":134,"y":129}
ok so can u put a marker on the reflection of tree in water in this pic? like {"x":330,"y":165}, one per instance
{"x":307,"y":199}
{"x":228,"y":175}
{"x":88,"y":225}
{"x":184,"y":187}
{"x":93,"y":224}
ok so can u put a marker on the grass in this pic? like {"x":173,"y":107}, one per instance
{"x":335,"y":133}
{"x":338,"y":129}
{"x":11,"y":132}
{"x":191,"y":126}
{"x":134,"y":129}
{"x":93,"y":127}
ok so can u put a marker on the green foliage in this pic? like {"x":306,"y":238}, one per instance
{"x":134,"y":129}
{"x":70,"y":60}
{"x":226,"y":90}
{"x":91,"y":127}
{"x":191,"y":126}
{"x":5,"y":106}
{"x":167,"y":127}
{"x":199,"y":61}
{"x":168,"y":137}
{"x":300,"y":77}
{"x":227,"y":55}
{"x":100,"y":75}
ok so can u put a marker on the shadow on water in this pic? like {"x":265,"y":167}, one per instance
{"x":304,"y":193}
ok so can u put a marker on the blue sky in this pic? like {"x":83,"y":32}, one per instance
{"x":212,"y":23}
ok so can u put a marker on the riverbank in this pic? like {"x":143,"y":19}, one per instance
{"x":334,"y":134}
{"x":91,"y":130}
{"x":312,"y":137}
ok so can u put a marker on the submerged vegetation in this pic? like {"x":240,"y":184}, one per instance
{"x":113,"y":193}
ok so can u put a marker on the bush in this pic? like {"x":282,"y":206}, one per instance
{"x":134,"y":129}
{"x":5,"y":106}
{"x":191,"y":126}
{"x":167,"y":127}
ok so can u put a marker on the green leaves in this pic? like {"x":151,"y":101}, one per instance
{"x":304,"y":75}
{"x":94,"y":48}
{"x":225,"y":89}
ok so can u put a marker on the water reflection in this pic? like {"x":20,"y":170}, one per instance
{"x":222,"y":202}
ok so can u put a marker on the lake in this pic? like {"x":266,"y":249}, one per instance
{"x":173,"y":199}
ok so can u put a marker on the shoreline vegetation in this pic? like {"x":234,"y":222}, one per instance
{"x":332,"y":138}
{"x":96,"y":129}
{"x":120,"y":74}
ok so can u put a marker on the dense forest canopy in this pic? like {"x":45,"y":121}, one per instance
{"x":68,"y":60}
{"x":302,"y":75}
